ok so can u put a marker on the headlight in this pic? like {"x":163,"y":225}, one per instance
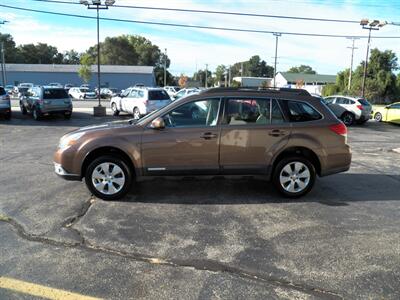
{"x":69,"y":140}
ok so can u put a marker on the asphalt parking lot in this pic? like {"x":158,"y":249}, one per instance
{"x":199,"y":239}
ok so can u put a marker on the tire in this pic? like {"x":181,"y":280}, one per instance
{"x":378,"y":117}
{"x":294,"y":171}
{"x":136,"y":113}
{"x":36,"y":114}
{"x":347,"y":118}
{"x":67,"y":115}
{"x":114,"y":109}
{"x":7,"y":116}
{"x":23,"y":109}
{"x":120,"y":181}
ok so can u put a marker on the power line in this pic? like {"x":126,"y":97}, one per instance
{"x":214,"y":12}
{"x":199,"y":26}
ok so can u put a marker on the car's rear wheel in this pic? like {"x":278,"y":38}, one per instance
{"x":67,"y":115}
{"x":36,"y":114}
{"x":136,"y":113}
{"x":23,"y":109}
{"x":108,"y":177}
{"x":378,"y":117}
{"x":347,"y":118}
{"x":294,"y":176}
{"x":114,"y":109}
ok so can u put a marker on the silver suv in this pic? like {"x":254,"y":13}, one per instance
{"x":45,"y":100}
{"x":140,"y":101}
{"x":5,"y":105}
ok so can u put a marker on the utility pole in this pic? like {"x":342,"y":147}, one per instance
{"x":230,"y":75}
{"x":165,"y":67}
{"x":277,"y":35}
{"x":206,"y":84}
{"x":3,"y":61}
{"x":373,"y":25}
{"x":241,"y":69}
{"x":351,"y":63}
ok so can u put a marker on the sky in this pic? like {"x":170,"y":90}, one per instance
{"x":191,"y":49}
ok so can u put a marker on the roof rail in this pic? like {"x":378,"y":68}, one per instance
{"x":300,"y":92}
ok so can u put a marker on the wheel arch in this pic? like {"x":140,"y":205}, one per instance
{"x":298,"y":151}
{"x":107,"y":150}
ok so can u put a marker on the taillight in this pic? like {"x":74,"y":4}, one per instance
{"x":339,"y":129}
{"x":360,"y":107}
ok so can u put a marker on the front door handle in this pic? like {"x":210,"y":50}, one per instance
{"x":277,"y":132}
{"x":208,"y":136}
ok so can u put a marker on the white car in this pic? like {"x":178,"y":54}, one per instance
{"x":358,"y":110}
{"x":185,"y":92}
{"x":139,"y":101}
{"x":81,"y":93}
{"x":172,"y":90}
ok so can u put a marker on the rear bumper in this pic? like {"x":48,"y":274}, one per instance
{"x":60,"y":171}
{"x":336,"y":161}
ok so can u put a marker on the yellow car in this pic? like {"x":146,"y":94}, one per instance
{"x":389,"y":113}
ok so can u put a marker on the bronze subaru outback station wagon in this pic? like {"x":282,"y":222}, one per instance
{"x":286,"y":135}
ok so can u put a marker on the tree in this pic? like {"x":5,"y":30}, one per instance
{"x":254,"y":67}
{"x":71,"y":57}
{"x":200,"y":76}
{"x":302,"y":69}
{"x":220,"y":74}
{"x":38,"y":54}
{"x":183,"y":80}
{"x":85,"y":71}
{"x":380,"y":83}
{"x":9,"y":47}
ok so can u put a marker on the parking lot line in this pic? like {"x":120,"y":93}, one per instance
{"x":40,"y":290}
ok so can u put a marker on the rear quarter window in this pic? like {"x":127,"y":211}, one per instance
{"x":158,"y":95}
{"x":300,"y":111}
{"x":364,"y":102}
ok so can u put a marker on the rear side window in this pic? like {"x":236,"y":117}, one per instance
{"x":55,"y":94}
{"x":252,"y":111}
{"x":2,"y":91}
{"x":300,"y":111}
{"x":158,"y":95}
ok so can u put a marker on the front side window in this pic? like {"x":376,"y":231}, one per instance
{"x":300,"y":111}
{"x":194,"y":114}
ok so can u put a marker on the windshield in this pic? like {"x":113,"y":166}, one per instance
{"x":55,"y":94}
{"x":364,"y":102}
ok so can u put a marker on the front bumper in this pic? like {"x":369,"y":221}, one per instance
{"x":60,"y":171}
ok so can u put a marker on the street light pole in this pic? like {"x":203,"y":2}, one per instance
{"x":97,"y":5}
{"x":373,"y":25}
{"x":277,"y":35}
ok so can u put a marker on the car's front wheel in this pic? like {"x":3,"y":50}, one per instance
{"x":294,"y":176}
{"x":36,"y":114}
{"x":108,"y":177}
{"x":378,"y":117}
{"x":136,"y":113}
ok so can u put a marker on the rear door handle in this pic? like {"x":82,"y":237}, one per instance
{"x":208,"y":136}
{"x":277,"y":132}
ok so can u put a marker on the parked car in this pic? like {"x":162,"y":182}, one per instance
{"x":55,"y":84}
{"x":172,"y":90}
{"x":81,"y":93}
{"x":185,"y":92}
{"x":139,"y":101}
{"x":388,"y":113}
{"x":9,"y":89}
{"x":45,"y":100}
{"x":108,"y":93}
{"x":287,"y":136}
{"x":86,"y":86}
{"x":68,"y":86}
{"x":358,"y":110}
{"x":5,"y":104}
{"x":26,"y":85}
{"x":21,"y":91}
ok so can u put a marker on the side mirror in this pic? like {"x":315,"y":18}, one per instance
{"x":387,"y":106}
{"x":158,"y":123}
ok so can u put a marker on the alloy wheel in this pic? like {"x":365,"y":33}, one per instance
{"x":294,"y":177}
{"x":108,"y":178}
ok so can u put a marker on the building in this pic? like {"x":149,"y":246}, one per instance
{"x":313,"y":83}
{"x":253,"y":81}
{"x":119,"y":77}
